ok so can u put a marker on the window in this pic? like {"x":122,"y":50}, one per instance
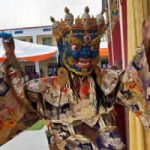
{"x":31,"y":40}
{"x":18,"y":32}
{"x":52,"y":69}
{"x":23,"y":40}
{"x":104,"y":63}
{"x":47,"y":41}
{"x":30,"y":72}
{"x":46,"y":29}
{"x":29,"y":69}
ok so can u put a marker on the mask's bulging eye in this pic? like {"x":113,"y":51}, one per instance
{"x":74,"y":48}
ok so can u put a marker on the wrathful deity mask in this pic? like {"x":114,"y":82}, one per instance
{"x":78,"y":43}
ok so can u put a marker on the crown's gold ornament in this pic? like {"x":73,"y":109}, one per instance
{"x":86,"y":22}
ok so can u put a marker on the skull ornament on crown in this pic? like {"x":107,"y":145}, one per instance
{"x":68,"y":17}
{"x":86,"y":17}
{"x":78,"y":41}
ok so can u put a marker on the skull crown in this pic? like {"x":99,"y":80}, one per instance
{"x":86,"y":22}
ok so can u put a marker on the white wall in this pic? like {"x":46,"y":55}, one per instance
{"x":33,"y":31}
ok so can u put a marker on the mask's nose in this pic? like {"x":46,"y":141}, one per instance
{"x":85,"y":52}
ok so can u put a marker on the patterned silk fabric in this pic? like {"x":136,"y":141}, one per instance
{"x":134,"y":91}
{"x":75,"y":121}
{"x":13,"y":111}
{"x":138,"y":101}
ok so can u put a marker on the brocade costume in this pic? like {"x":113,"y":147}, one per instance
{"x":135,"y":87}
{"x":75,"y":120}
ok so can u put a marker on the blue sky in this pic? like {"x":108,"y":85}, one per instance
{"x":29,"y":13}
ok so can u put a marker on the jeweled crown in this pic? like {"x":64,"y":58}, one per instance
{"x":85,"y":23}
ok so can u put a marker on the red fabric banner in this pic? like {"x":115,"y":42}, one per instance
{"x":115,"y":47}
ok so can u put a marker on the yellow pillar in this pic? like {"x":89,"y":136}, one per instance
{"x":137,"y":11}
{"x":136,"y":14}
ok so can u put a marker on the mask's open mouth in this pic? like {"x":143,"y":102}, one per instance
{"x":83,"y":63}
